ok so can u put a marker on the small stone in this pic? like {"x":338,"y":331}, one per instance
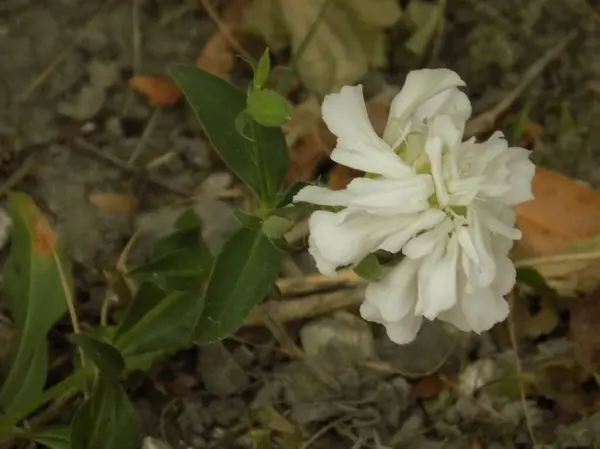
{"x":103,"y":74}
{"x":85,"y":105}
{"x":220,"y":373}
{"x":5,"y":227}
{"x":154,"y":443}
{"x":345,"y":333}
{"x":243,"y":356}
{"x":113,"y":127}
{"x":432,"y":347}
{"x":477,"y":375}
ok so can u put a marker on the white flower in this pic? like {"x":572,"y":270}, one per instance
{"x":447,"y":205}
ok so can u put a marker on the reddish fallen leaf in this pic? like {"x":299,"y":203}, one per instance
{"x":219,"y":55}
{"x":563,"y":212}
{"x":117,"y":203}
{"x":428,"y":387}
{"x":160,"y":92}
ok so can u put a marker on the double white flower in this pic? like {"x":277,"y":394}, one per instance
{"x":445,"y":204}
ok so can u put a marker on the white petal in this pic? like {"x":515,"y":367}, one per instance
{"x":478,"y":257}
{"x":358,"y":145}
{"x":370,"y":313}
{"x":405,"y":330}
{"x":443,"y":127}
{"x":346,"y":237}
{"x":506,"y":276}
{"x":498,"y":225}
{"x":427,"y":242}
{"x":456,"y":317}
{"x":433,"y":148}
{"x":325,"y":266}
{"x":419,"y":87}
{"x":438,"y":288}
{"x":411,"y":226}
{"x":483,"y":308}
{"x":395,"y":295}
{"x":452,"y":103}
{"x":383,"y":196}
{"x":522,"y":171}
{"x":322,"y":196}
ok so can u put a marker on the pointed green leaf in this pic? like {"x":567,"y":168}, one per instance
{"x":243,"y":274}
{"x":275,"y":226}
{"x":261,"y":163}
{"x":369,"y":268}
{"x":261,"y":73}
{"x":54,"y":437}
{"x":105,"y":356}
{"x":157,"y":320}
{"x":268,"y":108}
{"x":182,"y":269}
{"x":107,"y":420}
{"x":33,"y":282}
{"x":247,"y":220}
{"x":287,"y":195}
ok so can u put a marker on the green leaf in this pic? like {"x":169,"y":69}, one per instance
{"x":369,"y":268}
{"x":286,"y":196}
{"x":268,"y":108}
{"x":531,"y":277}
{"x":292,"y":210}
{"x":261,"y":163}
{"x":105,"y":356}
{"x":158,"y":321}
{"x":247,"y":220}
{"x":33,"y":282}
{"x":54,"y":437}
{"x":243,"y":274}
{"x":181,"y":269}
{"x":275,"y":226}
{"x":107,"y":420}
{"x":261,"y":73}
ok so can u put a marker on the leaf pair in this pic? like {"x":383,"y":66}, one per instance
{"x":249,"y":262}
{"x":260,"y":158}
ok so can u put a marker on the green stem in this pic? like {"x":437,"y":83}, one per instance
{"x":8,"y":423}
{"x":265,"y":206}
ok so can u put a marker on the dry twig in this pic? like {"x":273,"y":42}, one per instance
{"x":484,"y":122}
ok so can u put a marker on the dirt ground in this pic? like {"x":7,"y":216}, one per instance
{"x":69,"y":124}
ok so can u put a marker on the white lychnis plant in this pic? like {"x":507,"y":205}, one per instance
{"x":445,"y":204}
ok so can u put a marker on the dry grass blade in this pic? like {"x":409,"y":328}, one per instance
{"x":306,"y":307}
{"x":315,"y":282}
{"x":43,"y":77}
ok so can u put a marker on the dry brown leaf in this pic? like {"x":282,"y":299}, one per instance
{"x":219,"y":54}
{"x":117,"y":203}
{"x":160,"y":92}
{"x":348,"y":39}
{"x":561,"y":229}
{"x":563,"y":213}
